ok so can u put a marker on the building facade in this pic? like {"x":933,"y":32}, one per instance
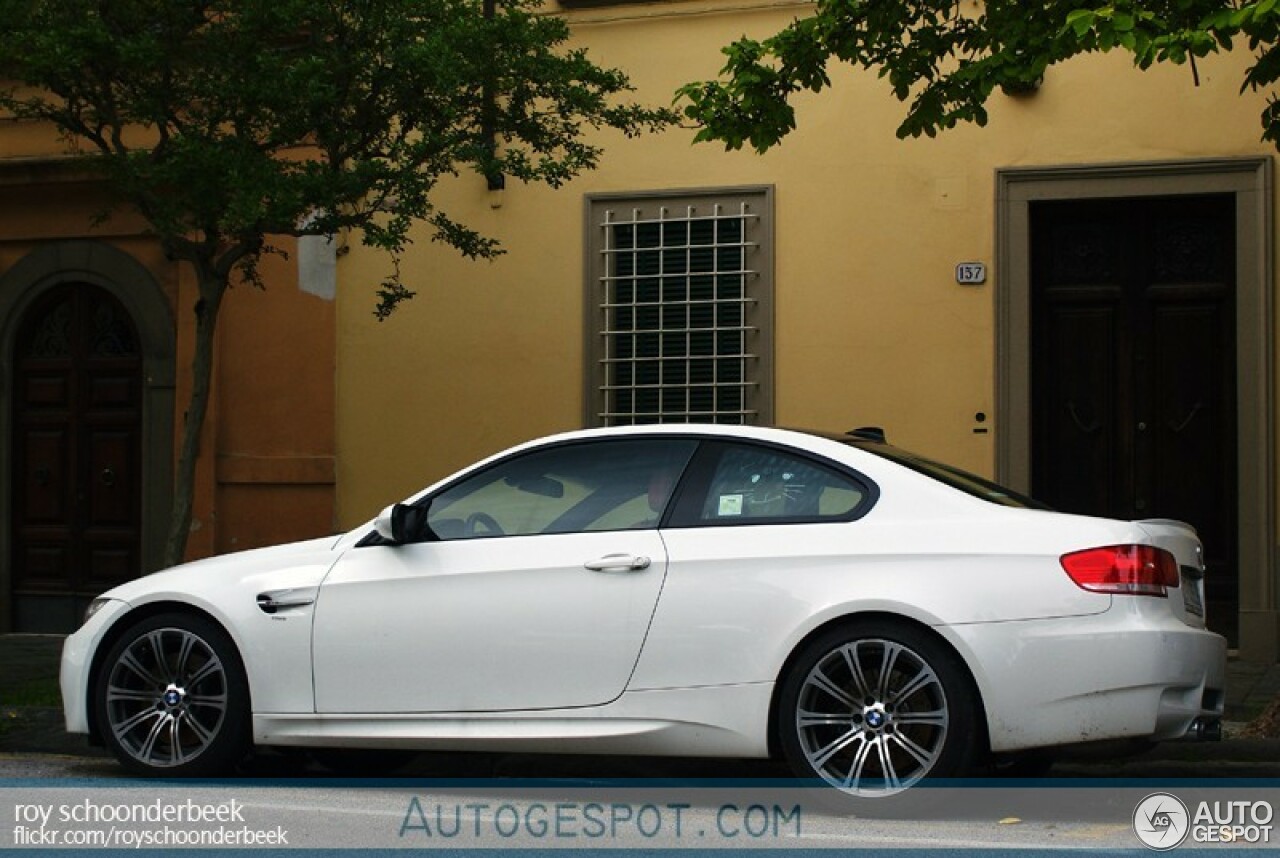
{"x":1077,"y":299}
{"x":96,"y":339}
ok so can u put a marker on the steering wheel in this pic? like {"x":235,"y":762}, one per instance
{"x":482,"y":519}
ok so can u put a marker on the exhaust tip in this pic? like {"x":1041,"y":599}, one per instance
{"x":1205,"y":730}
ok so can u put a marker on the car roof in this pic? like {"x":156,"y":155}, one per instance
{"x":798,"y":437}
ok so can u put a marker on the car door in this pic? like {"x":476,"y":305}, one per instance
{"x":531,"y":586}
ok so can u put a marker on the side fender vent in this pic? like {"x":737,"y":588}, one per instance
{"x":274,"y":601}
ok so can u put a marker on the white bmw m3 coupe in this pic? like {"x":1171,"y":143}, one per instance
{"x":870,"y":616}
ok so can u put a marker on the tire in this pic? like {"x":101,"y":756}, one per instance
{"x":870,"y":733}
{"x":171,"y":698}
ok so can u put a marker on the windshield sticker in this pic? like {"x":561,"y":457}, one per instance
{"x":730,"y":505}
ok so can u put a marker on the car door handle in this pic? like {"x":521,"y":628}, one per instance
{"x":626,"y":562}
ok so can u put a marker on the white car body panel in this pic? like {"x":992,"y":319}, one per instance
{"x":416,"y":628}
{"x":1180,"y":539}
{"x":714,"y":721}
{"x":1125,"y":674}
{"x":752,"y":599}
{"x":275,"y":649}
{"x":77,"y":655}
{"x":510,"y":642}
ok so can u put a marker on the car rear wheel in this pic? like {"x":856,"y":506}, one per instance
{"x":171,"y":698}
{"x":875,"y":707}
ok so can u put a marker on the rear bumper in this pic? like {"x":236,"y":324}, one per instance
{"x":1123,"y":674}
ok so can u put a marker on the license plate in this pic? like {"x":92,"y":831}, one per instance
{"x":1191,"y":595}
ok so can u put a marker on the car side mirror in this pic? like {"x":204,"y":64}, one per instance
{"x":401,"y":523}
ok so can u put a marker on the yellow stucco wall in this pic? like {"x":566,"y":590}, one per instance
{"x":871,"y":327}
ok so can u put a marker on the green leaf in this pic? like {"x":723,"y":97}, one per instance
{"x":1081,"y":20}
{"x":945,"y":66}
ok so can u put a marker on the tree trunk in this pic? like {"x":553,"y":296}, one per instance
{"x":212,"y":286}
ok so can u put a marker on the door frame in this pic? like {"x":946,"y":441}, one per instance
{"x":137,"y":289}
{"x":1249,"y":179}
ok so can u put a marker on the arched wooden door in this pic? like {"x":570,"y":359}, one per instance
{"x":77,"y":458}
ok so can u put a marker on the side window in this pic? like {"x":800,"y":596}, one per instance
{"x":602,"y":485}
{"x":759,"y":484}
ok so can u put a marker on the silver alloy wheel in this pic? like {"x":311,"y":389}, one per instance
{"x":871,"y":717}
{"x":166,"y":697}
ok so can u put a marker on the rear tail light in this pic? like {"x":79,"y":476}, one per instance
{"x":1142,"y":570}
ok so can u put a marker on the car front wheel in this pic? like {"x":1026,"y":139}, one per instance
{"x":875,"y":707}
{"x":171,"y":698}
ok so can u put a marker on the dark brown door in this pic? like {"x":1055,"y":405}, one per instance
{"x":76,"y":455}
{"x":1133,"y":368}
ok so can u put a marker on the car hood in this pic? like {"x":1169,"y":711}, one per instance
{"x":295,"y":564}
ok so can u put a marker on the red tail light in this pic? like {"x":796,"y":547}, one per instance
{"x":1142,"y":570}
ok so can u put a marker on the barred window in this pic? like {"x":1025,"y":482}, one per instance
{"x":679,"y":295}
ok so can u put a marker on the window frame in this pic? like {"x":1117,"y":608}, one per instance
{"x":759,"y":392}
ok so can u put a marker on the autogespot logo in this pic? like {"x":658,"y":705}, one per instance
{"x":1161,"y":821}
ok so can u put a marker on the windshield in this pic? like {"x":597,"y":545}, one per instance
{"x":966,"y":482}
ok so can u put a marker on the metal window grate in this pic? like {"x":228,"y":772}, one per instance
{"x":676,"y":315}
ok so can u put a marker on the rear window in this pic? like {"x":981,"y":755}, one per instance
{"x":970,"y":484}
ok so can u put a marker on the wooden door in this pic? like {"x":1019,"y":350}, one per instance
{"x":76,"y":455}
{"x":1133,"y":368}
